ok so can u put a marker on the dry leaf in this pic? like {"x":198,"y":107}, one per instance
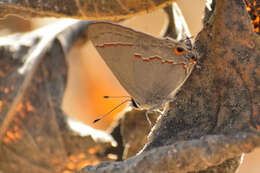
{"x":35,"y":136}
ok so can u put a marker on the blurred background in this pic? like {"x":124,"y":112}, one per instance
{"x":90,"y":79}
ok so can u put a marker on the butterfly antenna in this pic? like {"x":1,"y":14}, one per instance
{"x":103,"y":116}
{"x":107,"y":97}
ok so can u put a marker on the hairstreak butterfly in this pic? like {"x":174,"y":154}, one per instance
{"x":150,"y":69}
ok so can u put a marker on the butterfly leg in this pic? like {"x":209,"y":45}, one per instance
{"x":153,"y":111}
{"x":148,"y":118}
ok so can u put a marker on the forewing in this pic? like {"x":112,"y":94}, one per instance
{"x":146,"y":66}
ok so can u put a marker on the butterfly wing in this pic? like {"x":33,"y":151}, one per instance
{"x":146,"y":66}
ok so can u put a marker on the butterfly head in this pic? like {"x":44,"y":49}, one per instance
{"x":179,"y":52}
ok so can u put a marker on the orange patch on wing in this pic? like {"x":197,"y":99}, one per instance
{"x":179,"y":51}
{"x":138,"y":56}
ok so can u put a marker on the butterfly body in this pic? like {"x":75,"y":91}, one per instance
{"x":150,"y":69}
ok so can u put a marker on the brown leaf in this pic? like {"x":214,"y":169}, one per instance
{"x":83,"y":9}
{"x":34,"y":134}
{"x":215,"y":116}
{"x":184,"y":156}
{"x":134,"y":130}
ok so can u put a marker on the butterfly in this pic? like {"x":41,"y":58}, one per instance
{"x":151,"y":69}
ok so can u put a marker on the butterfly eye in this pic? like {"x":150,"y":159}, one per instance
{"x":179,"y":51}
